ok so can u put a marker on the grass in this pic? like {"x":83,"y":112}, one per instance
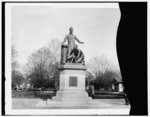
{"x":24,"y":103}
{"x":29,"y":103}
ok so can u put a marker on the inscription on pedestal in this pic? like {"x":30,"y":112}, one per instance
{"x":72,"y":81}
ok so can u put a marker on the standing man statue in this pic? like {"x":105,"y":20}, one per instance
{"x":71,"y":41}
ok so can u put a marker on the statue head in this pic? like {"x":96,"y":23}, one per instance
{"x":76,"y":46}
{"x":71,"y":30}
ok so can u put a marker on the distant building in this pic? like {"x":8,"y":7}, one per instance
{"x":117,"y":86}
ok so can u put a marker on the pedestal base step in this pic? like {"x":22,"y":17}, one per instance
{"x":73,"y":96}
{"x":79,"y":105}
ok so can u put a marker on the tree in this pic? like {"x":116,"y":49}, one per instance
{"x":104,"y":72}
{"x":17,"y":79}
{"x":38,"y":64}
{"x":16,"y":76}
{"x":99,"y":65}
{"x":42,"y":68}
{"x":105,"y":80}
{"x":55,"y":48}
{"x":14,"y":63}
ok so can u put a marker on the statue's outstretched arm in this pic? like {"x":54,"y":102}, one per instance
{"x":65,"y":39}
{"x":79,"y":40}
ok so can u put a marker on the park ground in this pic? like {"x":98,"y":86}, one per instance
{"x":30,"y":103}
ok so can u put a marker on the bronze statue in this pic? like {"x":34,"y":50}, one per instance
{"x":70,"y":53}
{"x":71,"y":41}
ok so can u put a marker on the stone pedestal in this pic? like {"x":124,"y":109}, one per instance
{"x":72,"y":77}
{"x":72,"y":85}
{"x":72,"y":94}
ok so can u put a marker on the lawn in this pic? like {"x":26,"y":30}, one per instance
{"x":24,"y":103}
{"x":29,"y":103}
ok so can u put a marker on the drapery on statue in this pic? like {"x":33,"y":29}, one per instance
{"x":70,"y":53}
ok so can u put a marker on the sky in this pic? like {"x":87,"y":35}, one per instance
{"x":35,"y":26}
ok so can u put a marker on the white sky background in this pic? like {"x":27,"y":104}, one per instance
{"x":34,"y":26}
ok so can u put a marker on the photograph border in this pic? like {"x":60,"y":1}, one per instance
{"x":3,"y":50}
